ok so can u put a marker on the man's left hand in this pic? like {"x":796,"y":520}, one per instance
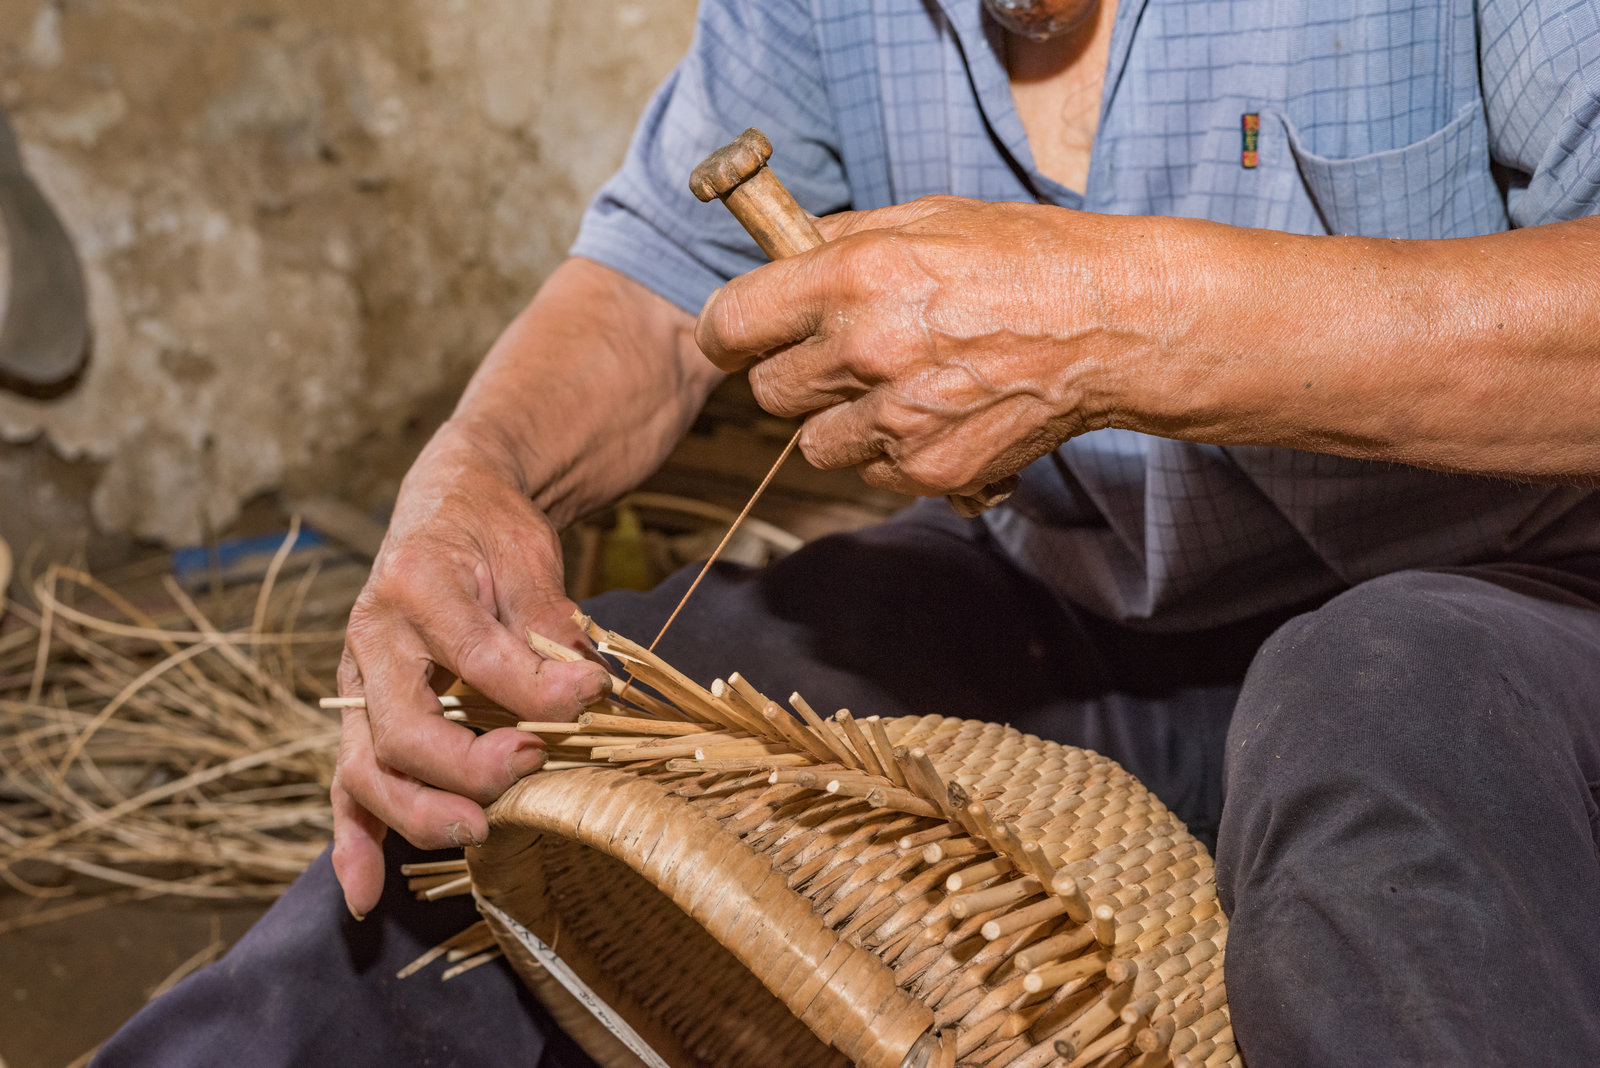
{"x":937,"y":345}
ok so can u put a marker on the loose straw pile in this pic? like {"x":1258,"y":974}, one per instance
{"x":1043,"y":905}
{"x":164,"y":743}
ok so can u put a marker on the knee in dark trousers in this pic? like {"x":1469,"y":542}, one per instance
{"x":1407,"y":850}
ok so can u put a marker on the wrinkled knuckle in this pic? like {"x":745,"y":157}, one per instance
{"x":898,"y":422}
{"x":343,"y":759}
{"x":477,"y":658}
{"x":349,"y":754}
{"x":764,"y":385}
{"x":773,"y":390}
{"x":403,"y":579}
{"x":423,"y":826}
{"x":852,"y":268}
{"x":349,"y":675}
{"x":933,"y":471}
{"x":873,"y":262}
{"x":916,"y":469}
{"x":860,"y":353}
{"x":723,"y":326}
{"x":389,"y":738}
{"x":550,"y":600}
{"x":842,"y":272}
{"x":364,"y":618}
{"x":882,"y":473}
{"x":819,"y":450}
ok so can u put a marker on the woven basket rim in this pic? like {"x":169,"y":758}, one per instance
{"x":850,"y":867}
{"x":724,"y":885}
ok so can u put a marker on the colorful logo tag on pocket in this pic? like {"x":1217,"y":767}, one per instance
{"x":1250,"y":130}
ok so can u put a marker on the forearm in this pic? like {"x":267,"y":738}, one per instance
{"x":586,"y":391}
{"x":582,"y":396}
{"x":1476,"y":355}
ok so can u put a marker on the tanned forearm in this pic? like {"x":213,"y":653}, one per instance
{"x":580,"y":398}
{"x":941,"y":344}
{"x":1472,"y":355}
{"x":587,"y":391}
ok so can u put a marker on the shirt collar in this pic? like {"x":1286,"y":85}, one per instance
{"x":983,"y":47}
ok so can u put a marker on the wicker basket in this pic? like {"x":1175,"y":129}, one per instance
{"x":936,"y":892}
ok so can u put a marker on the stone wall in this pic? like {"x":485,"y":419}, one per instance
{"x":301,"y":223}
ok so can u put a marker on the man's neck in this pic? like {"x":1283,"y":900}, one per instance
{"x":1056,"y":85}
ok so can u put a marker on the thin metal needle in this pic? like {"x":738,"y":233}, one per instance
{"x":754,"y":497}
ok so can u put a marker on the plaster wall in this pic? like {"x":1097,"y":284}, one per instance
{"x":300,"y":222}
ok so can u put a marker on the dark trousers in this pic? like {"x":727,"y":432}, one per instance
{"x":1407,"y":853}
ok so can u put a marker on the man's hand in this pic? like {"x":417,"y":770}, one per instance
{"x":582,"y":396}
{"x":941,"y":344}
{"x":467,"y":565}
{"x":944,"y":343}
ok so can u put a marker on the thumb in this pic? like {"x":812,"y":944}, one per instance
{"x":520,"y":583}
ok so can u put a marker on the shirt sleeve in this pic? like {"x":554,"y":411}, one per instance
{"x":1541,"y":82}
{"x":751,"y":63}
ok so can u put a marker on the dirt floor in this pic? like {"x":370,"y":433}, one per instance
{"x":66,"y":986}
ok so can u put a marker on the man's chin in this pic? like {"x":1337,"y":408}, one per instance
{"x":1040,"y":20}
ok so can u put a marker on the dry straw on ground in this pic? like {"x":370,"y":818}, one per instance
{"x":162,"y":740}
{"x":158,"y":741}
{"x":1018,"y":902}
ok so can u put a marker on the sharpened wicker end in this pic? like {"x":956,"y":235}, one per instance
{"x":808,"y":890}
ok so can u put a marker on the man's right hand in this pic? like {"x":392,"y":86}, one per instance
{"x":467,"y":565}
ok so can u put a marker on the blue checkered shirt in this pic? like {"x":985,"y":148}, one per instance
{"x":1393,"y":118}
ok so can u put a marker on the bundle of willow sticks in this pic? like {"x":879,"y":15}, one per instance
{"x":1032,"y":902}
{"x":155,"y":741}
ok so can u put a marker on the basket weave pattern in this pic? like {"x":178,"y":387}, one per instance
{"x":964,"y":894}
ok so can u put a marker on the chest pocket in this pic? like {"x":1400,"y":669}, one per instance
{"x":1440,"y":186}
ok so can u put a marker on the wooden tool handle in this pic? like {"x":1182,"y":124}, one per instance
{"x":738,"y":175}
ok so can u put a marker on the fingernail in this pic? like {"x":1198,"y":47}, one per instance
{"x":461,"y":835}
{"x":358,"y":915}
{"x":593,"y":687}
{"x":525,"y":761}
